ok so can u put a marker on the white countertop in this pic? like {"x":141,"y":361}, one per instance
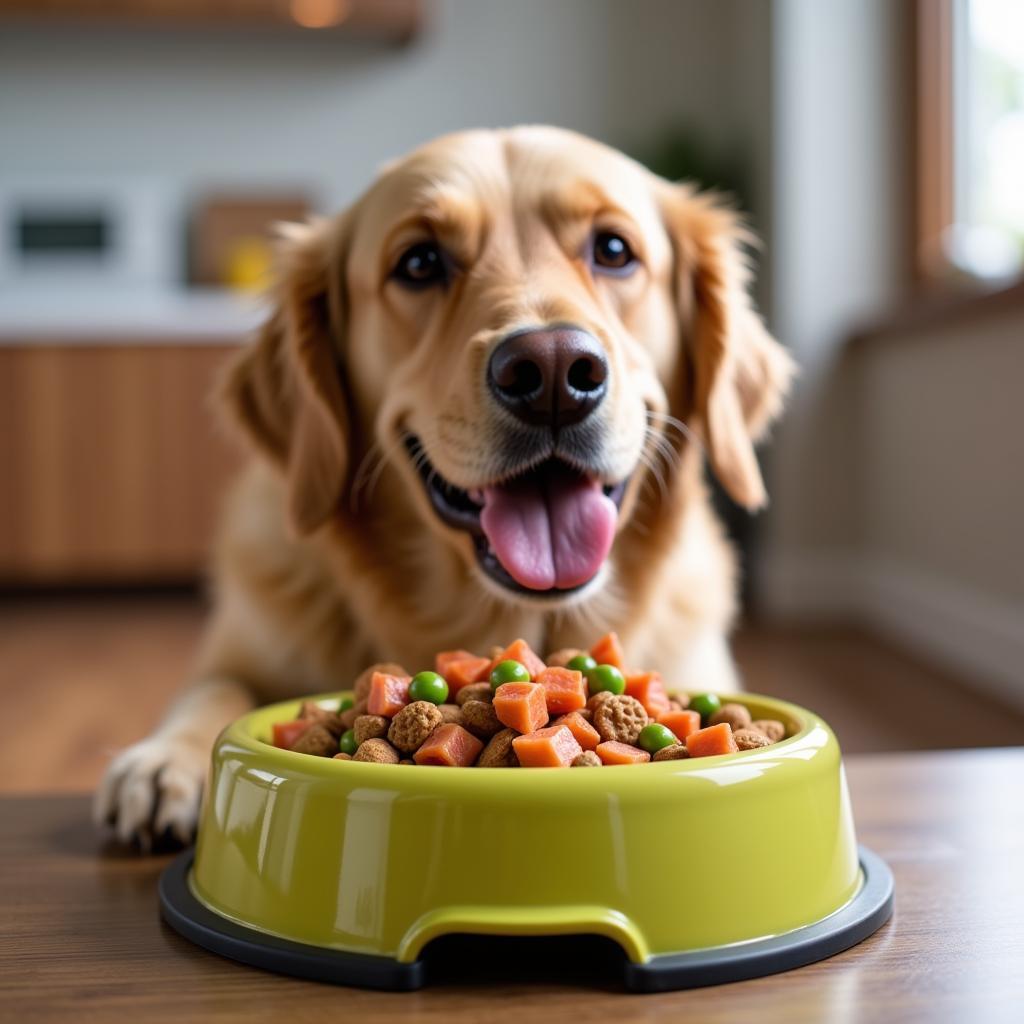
{"x":189,"y":316}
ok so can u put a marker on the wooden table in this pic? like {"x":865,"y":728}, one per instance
{"x":80,"y":937}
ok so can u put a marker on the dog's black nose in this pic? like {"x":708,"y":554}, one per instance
{"x":553,"y":377}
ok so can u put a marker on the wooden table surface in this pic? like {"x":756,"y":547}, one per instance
{"x":80,"y":937}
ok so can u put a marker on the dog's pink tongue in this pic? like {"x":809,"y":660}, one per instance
{"x":549,"y":530}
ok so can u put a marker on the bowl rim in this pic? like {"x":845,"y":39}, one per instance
{"x":813,"y":732}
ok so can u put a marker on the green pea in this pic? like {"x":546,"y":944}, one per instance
{"x":345,"y":703}
{"x":428,"y":686}
{"x":509,"y":671}
{"x":347,"y":744}
{"x":705,"y":704}
{"x":655,"y":736}
{"x":582,"y":663}
{"x":606,"y":677}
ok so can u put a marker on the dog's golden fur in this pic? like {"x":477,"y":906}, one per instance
{"x":330,"y":556}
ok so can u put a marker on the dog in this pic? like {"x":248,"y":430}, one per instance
{"x":480,"y":409}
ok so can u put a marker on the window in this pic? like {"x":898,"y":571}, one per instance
{"x":987,"y":234}
{"x":970,"y":138}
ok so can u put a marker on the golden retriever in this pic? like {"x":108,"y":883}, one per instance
{"x":479,"y":410}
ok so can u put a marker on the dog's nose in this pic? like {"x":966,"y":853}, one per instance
{"x":553,"y":377}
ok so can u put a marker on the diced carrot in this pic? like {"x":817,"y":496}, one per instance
{"x":715,"y":739}
{"x":614,"y":752}
{"x":464,"y":671}
{"x":564,"y":689}
{"x":586,"y":735}
{"x":608,"y":651}
{"x":445,"y":658}
{"x":648,"y":688}
{"x":286,"y":733}
{"x":682,"y":723}
{"x":520,"y":650}
{"x":449,"y":745}
{"x":553,"y":747}
{"x":388,"y":694}
{"x":521,"y":706}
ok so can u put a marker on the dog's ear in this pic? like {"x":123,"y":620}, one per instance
{"x":740,"y":373}
{"x":286,"y":389}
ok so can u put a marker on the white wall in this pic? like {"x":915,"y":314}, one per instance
{"x":234,"y":108}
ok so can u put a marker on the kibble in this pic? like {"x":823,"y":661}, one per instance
{"x":619,"y":719}
{"x":370,"y":727}
{"x":736,"y":715}
{"x":413,"y":724}
{"x":377,"y":751}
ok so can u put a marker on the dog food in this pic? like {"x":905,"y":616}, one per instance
{"x":513,"y":710}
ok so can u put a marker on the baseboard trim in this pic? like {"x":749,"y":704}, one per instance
{"x":975,"y":634}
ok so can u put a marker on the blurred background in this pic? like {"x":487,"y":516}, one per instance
{"x":878,"y":145}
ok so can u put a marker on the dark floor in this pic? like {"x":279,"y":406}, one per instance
{"x":83,"y":676}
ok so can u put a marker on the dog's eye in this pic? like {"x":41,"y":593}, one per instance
{"x":612,"y":251}
{"x":421,"y":265}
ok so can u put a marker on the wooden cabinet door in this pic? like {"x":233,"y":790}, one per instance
{"x":112,"y":463}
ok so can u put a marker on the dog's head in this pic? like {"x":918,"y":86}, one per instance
{"x":520,"y":323}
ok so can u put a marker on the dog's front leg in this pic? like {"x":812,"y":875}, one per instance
{"x":152,"y":789}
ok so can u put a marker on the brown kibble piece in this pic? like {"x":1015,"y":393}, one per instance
{"x":674,"y":752}
{"x":588,"y":759}
{"x":407,"y":760}
{"x":317,"y":740}
{"x":475,"y":691}
{"x":586,"y":714}
{"x":369,"y":727}
{"x":750,"y":739}
{"x":678,"y":702}
{"x":499,"y":752}
{"x":450,"y":714}
{"x":561,"y":658}
{"x":599,"y":698}
{"x":496,"y":652}
{"x":361,"y":687}
{"x":480,"y":718}
{"x":413,"y":724}
{"x":348,"y":718}
{"x":736,"y":715}
{"x":342,"y":756}
{"x":330,"y":720}
{"x":619,"y":719}
{"x":378,"y":751}
{"x":774,"y":730}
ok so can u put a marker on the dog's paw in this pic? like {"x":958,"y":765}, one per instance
{"x":151,"y":792}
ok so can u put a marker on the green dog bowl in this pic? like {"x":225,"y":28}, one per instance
{"x":701,"y":871}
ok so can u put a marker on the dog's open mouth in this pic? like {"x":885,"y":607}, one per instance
{"x":547,"y":530}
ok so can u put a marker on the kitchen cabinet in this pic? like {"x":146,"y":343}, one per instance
{"x":112,"y":466}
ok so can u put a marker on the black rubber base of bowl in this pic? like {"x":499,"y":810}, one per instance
{"x":862,"y":916}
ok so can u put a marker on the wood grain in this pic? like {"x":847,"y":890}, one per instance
{"x":111,"y":463}
{"x":82,"y":940}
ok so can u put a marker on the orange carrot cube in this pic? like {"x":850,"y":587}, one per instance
{"x":648,"y":688}
{"x":709,"y":742}
{"x":445,"y":658}
{"x":553,"y":747}
{"x":520,"y":650}
{"x":565,"y":689}
{"x":608,"y":651}
{"x":450,"y":746}
{"x":614,"y":752}
{"x":586,"y":735}
{"x":682,"y":723}
{"x":465,"y":671}
{"x":521,"y":706}
{"x":388,"y":694}
{"x":286,"y":733}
